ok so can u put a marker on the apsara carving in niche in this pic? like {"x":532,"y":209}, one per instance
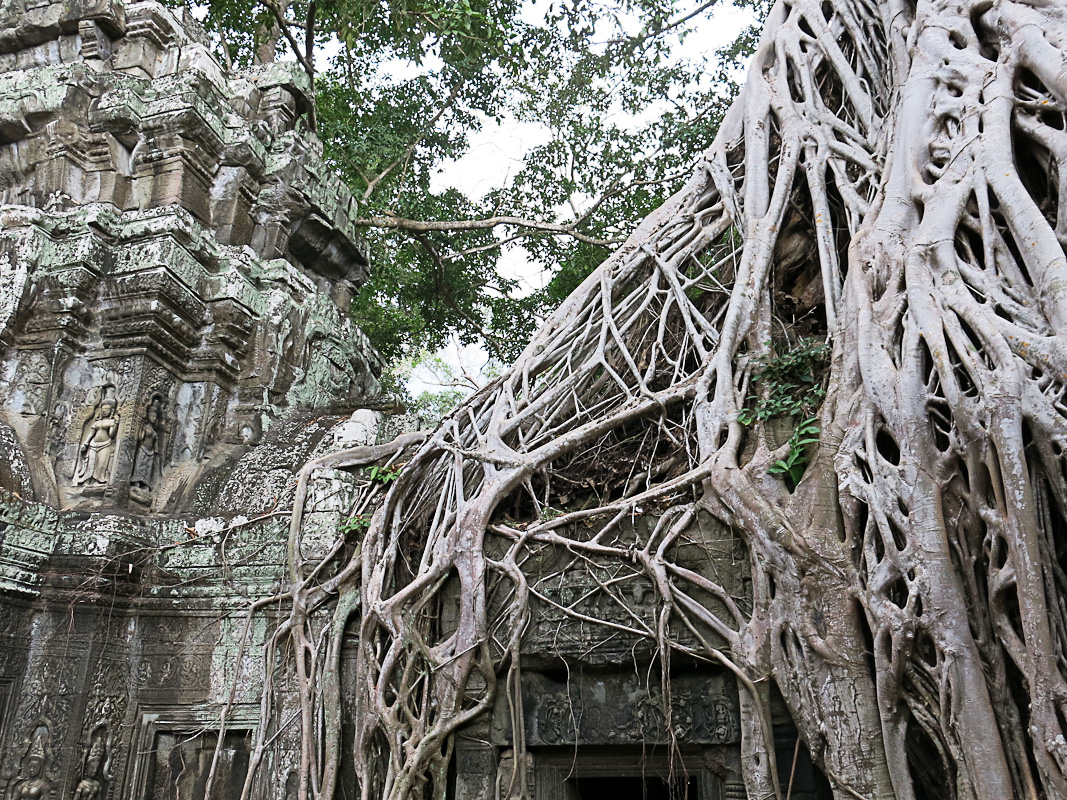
{"x":97,"y":445}
{"x":32,"y":783}
{"x":149,"y":446}
{"x":97,"y":763}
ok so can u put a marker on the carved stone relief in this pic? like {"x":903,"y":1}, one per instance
{"x":98,"y":441}
{"x":15,"y":473}
{"x":109,"y":695}
{"x":14,"y":272}
{"x":325,"y":374}
{"x":148,"y":455}
{"x":616,"y":708}
{"x":172,"y":672}
{"x":48,"y":694}
{"x":571,"y":601}
{"x":30,"y":388}
{"x":175,"y":657}
{"x":96,"y":766}
{"x":31,"y":782}
{"x":575,"y":594}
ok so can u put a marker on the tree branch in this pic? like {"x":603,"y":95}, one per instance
{"x":487,"y":223}
{"x":492,"y":340}
{"x":283,"y":24}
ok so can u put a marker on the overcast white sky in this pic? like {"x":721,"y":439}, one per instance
{"x":497,"y":150}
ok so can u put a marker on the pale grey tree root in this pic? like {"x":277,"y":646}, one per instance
{"x":910,"y":595}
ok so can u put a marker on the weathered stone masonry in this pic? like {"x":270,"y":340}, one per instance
{"x":175,"y":262}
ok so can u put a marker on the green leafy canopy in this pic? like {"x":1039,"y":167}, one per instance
{"x":401,"y":86}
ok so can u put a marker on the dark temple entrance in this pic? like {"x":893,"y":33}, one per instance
{"x":625,"y":773}
{"x":635,"y":788}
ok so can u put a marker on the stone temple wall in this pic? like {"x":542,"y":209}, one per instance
{"x":175,"y":265}
{"x":175,"y":257}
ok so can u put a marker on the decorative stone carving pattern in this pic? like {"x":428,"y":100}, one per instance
{"x":166,"y":228}
{"x":176,"y":264}
{"x":573,"y":600}
{"x":614,"y":708}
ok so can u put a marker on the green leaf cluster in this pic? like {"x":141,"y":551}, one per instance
{"x":357,"y":523}
{"x":789,"y":384}
{"x":382,"y":474}
{"x":433,"y":407}
{"x":794,"y":464}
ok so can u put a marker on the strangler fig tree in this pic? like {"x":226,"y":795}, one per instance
{"x":887,"y":183}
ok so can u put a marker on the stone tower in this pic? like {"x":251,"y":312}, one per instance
{"x":176,"y":262}
{"x":175,"y":257}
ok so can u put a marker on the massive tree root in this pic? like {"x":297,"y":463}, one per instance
{"x":889,"y":180}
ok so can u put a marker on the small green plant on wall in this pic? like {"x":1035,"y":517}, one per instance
{"x":356,"y":523}
{"x":794,"y":464}
{"x":790,"y":384}
{"x":383,"y":474}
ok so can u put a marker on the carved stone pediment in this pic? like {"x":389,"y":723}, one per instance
{"x":597,"y":609}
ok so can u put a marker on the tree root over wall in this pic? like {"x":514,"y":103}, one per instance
{"x":898,"y":165}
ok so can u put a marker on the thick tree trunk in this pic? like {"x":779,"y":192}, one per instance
{"x":889,"y":180}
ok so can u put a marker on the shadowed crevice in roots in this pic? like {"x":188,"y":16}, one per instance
{"x":888,"y":182}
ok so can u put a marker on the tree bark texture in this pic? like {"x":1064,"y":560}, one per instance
{"x":900,"y":163}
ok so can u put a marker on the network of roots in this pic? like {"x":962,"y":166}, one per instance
{"x":887,"y":184}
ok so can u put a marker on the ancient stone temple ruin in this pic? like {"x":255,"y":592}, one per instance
{"x":176,"y":262}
